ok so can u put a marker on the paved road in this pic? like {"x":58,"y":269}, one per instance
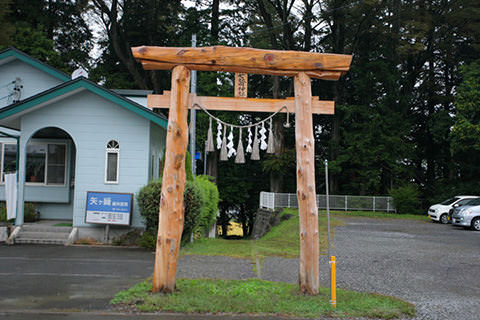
{"x":434,"y":266}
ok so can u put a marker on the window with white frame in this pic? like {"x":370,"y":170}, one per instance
{"x":111,"y":161}
{"x":8,"y":155}
{"x":46,"y":163}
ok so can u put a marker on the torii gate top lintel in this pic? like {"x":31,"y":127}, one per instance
{"x":302,"y":66}
{"x":244,"y":60}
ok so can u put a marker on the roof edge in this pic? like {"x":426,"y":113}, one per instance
{"x":12,"y":51}
{"x":75,"y":84}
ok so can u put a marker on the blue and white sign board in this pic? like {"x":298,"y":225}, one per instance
{"x":109,"y":208}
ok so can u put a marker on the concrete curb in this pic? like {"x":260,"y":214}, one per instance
{"x":13,"y":235}
{"x":72,"y":237}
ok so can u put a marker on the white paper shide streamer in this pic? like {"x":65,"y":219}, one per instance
{"x":249,"y":143}
{"x":230,"y":146}
{"x":219,"y":136}
{"x":263,"y":138}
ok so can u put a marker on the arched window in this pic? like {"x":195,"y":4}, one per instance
{"x":111,"y":161}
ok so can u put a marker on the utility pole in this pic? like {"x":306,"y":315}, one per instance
{"x":193,"y":114}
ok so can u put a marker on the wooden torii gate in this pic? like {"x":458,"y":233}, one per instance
{"x":300,"y":65}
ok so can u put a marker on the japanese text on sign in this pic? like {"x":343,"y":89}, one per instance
{"x":108,"y":208}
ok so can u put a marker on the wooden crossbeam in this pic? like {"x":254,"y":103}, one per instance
{"x":245,"y":60}
{"x":241,"y":104}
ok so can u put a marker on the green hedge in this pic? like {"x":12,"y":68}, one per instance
{"x":405,"y":199}
{"x":148,"y":201}
{"x":210,"y":198}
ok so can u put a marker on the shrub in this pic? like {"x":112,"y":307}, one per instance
{"x":3,"y":212}
{"x":192,"y":200}
{"x":210,"y":199}
{"x":405,"y":199}
{"x":188,"y":167}
{"x":148,"y":201}
{"x":29,"y":213}
{"x":148,"y":240}
{"x":130,"y":238}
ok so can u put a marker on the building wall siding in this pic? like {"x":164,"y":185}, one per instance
{"x":92,"y":121}
{"x":33,"y":80}
{"x":157,"y":148}
{"x":55,"y":211}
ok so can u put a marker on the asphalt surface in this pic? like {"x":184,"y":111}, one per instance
{"x":434,"y":266}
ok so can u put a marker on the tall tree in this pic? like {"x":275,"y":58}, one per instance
{"x":129,"y":23}
{"x":53,"y":31}
{"x":466,"y":130}
{"x":6,"y":26}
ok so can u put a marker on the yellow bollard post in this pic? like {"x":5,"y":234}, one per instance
{"x":333,"y":284}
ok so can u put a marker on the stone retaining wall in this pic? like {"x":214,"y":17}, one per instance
{"x":264,"y":221}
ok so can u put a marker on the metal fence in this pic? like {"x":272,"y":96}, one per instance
{"x":272,"y":200}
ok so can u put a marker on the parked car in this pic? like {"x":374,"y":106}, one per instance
{"x":459,"y":205}
{"x":467,"y":215}
{"x":439,"y":212}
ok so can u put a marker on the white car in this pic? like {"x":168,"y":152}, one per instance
{"x":439,"y":212}
{"x":467,"y":215}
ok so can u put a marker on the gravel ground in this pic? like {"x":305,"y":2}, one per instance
{"x":436,"y":267}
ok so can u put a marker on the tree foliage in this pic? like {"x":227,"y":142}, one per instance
{"x":148,"y":199}
{"x":55,"y":32}
{"x":465,"y":134}
{"x":395,"y":108}
{"x":210,"y":198}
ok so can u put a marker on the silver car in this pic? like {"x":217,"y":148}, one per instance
{"x":467,"y":215}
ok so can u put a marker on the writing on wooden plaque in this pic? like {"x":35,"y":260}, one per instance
{"x":241,"y":85}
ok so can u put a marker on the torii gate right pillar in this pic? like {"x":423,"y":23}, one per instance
{"x":308,"y":274}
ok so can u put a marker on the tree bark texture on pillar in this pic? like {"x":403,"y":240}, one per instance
{"x":171,"y":211}
{"x":307,"y":198}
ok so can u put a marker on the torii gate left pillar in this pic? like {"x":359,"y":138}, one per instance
{"x":300,"y":65}
{"x":171,"y":218}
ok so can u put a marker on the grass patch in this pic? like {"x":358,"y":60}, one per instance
{"x":63,"y":224}
{"x":255,"y":296}
{"x":376,"y":214}
{"x":282,"y":241}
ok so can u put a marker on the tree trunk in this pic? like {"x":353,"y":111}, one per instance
{"x":307,"y":199}
{"x":215,"y":21}
{"x":171,"y":215}
{"x":224,"y":229}
{"x":118,"y":40}
{"x":244,"y":228}
{"x":212,"y":165}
